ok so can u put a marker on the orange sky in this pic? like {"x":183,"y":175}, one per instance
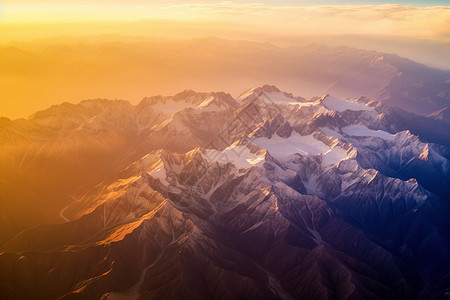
{"x":21,"y":19}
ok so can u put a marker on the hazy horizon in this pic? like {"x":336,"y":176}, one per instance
{"x":31,"y":79}
{"x":49,"y":71}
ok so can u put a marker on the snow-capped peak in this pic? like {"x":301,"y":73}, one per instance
{"x":270,"y":94}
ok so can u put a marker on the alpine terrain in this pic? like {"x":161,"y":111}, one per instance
{"x":207,"y":196}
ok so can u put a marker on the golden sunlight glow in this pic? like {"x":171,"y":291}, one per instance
{"x":387,"y":19}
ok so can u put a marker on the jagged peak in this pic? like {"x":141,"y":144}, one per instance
{"x":102,"y":101}
{"x":89,"y":106}
{"x":220,"y":99}
{"x":5,"y":121}
{"x":42,"y":114}
{"x":323,"y":97}
{"x":192,"y":99}
{"x":270,"y":88}
{"x":151,"y":100}
{"x":266,"y":88}
{"x":181,"y":96}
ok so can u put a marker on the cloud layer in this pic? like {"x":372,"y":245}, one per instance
{"x":387,"y":19}
{"x":431,"y":22}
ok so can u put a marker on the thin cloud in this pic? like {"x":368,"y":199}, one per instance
{"x":392,"y":19}
{"x":431,"y":22}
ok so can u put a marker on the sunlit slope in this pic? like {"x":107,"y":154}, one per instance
{"x":61,"y":153}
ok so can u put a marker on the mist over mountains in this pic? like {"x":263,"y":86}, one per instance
{"x":35,"y":75}
{"x":262,"y":196}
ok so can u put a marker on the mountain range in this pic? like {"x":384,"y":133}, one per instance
{"x":205,"y":195}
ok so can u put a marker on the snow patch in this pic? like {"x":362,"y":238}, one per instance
{"x":240,"y":156}
{"x":336,"y":104}
{"x":207,"y":101}
{"x":330,"y":132}
{"x":334,"y":155}
{"x":361,"y":130}
{"x":282,"y":148}
{"x":160,"y":174}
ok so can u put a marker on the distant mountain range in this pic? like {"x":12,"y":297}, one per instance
{"x":71,"y":70}
{"x":205,"y":195}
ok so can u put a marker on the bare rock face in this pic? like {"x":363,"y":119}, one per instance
{"x":285,"y":130}
{"x":202,"y":196}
